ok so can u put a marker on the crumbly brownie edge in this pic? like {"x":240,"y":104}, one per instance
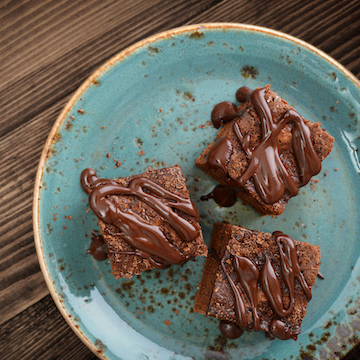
{"x":219,"y":240}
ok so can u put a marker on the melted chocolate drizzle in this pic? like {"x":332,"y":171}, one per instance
{"x":98,"y":249}
{"x":223,"y":113}
{"x":230,"y":330}
{"x":240,"y":308}
{"x":147,"y":238}
{"x":248,"y":276}
{"x":290,"y":267}
{"x":136,"y":252}
{"x":222,"y":195}
{"x":279,"y":329}
{"x":270,"y":176}
{"x":220,"y":154}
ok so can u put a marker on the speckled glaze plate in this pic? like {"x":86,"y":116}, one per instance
{"x":151,"y":105}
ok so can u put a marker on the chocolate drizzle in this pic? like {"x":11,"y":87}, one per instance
{"x":240,"y":309}
{"x":248,"y":275}
{"x":220,"y":154}
{"x":290,"y":267}
{"x":272,"y":289}
{"x":98,"y":249}
{"x":279,"y":329}
{"x":248,"y":278}
{"x":270,"y":176}
{"x":136,"y":252}
{"x":222,"y":195}
{"x":147,"y":238}
{"x":223,"y":113}
{"x":230,"y":330}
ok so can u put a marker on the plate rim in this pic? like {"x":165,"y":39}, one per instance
{"x":70,"y":103}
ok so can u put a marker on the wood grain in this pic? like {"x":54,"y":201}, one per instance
{"x":47,"y":49}
{"x":20,"y":275}
{"x":29,"y":336}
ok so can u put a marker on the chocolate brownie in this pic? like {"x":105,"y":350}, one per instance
{"x":266,"y":152}
{"x":259,"y":281}
{"x":147,"y":220}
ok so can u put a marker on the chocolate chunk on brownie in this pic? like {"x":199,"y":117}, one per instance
{"x":147,"y":220}
{"x":266,"y":152}
{"x":259,"y":281}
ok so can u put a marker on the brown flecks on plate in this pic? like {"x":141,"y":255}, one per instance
{"x":249,"y":71}
{"x":49,"y":228}
{"x":57,"y":138}
{"x":196,"y":35}
{"x":68,"y":125}
{"x":100,"y":346}
{"x":153,"y":50}
{"x":334,"y":342}
{"x":188,"y":95}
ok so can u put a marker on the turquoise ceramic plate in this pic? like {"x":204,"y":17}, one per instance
{"x":151,"y":105}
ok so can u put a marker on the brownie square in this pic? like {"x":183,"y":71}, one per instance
{"x":125,"y":258}
{"x":234,"y":158}
{"x":216,"y":297}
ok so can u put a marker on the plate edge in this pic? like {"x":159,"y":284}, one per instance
{"x":118,"y":57}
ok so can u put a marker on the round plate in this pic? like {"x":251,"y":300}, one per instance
{"x":150,"y":106}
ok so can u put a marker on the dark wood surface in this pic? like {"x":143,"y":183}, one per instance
{"x":47,"y":49}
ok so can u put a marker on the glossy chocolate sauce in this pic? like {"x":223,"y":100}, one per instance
{"x":240,"y":309}
{"x":290,"y":269}
{"x":279,"y":329}
{"x":222,"y":195}
{"x":220,"y":154}
{"x":147,"y":238}
{"x":223,"y":113}
{"x":248,"y":276}
{"x":88,"y":177}
{"x":270,"y":176}
{"x":160,"y":265}
{"x":98,"y":249}
{"x":230,"y":330}
{"x":272,"y":289}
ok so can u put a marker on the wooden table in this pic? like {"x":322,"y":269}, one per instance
{"x":47,"y":49}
